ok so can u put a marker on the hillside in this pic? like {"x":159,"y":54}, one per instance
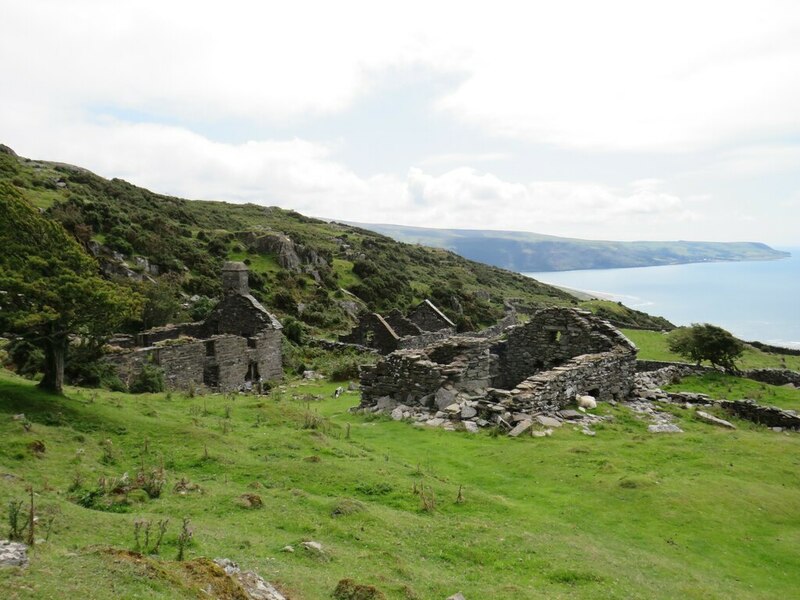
{"x":530,"y":252}
{"x":618,"y":515}
{"x":316,"y":272}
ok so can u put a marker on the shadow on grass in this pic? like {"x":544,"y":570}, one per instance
{"x":46,"y":408}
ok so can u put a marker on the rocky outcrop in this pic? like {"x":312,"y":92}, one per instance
{"x":289,"y":255}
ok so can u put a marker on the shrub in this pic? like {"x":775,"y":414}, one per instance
{"x":149,"y":380}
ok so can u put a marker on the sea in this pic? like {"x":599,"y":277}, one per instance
{"x":754,"y":300}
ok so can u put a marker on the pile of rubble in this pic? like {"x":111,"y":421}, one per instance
{"x":453,"y":411}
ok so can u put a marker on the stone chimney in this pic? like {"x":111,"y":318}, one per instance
{"x":234,"y":278}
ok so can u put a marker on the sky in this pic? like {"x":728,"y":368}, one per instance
{"x":602,"y":120}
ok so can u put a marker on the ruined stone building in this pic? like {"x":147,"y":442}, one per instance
{"x":238,"y":345}
{"x":424,"y":324}
{"x":538,"y":366}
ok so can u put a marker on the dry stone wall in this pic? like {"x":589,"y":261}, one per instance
{"x":457,"y":379}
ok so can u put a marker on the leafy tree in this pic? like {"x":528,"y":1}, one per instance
{"x":706,"y":342}
{"x":49,"y":287}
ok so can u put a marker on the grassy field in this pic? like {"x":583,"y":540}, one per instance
{"x":653,"y":346}
{"x":727,"y":387}
{"x":710,"y":513}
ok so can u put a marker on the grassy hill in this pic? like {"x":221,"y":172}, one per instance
{"x":711,"y":513}
{"x":303,"y":268}
{"x":529,"y":252}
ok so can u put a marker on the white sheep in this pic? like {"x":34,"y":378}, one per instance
{"x":586,"y":401}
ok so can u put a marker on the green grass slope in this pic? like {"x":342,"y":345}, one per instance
{"x":522,"y":251}
{"x":711,"y":513}
{"x":653,"y":346}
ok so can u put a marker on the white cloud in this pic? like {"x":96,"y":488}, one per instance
{"x":463,"y":158}
{"x":616,"y":75}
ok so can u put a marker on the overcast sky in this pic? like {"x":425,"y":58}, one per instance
{"x":612,"y":120}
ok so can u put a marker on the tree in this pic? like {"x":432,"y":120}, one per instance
{"x":706,"y":342}
{"x":50,"y":288}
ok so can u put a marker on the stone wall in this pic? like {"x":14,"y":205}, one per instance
{"x":606,"y":376}
{"x":770,"y":416}
{"x":462,"y":373}
{"x":429,"y":318}
{"x":401,"y":325}
{"x":238,"y":344}
{"x":239,"y":315}
{"x":553,"y":336}
{"x":773,"y":376}
{"x":373,"y":331}
{"x":225,"y":362}
{"x":425,"y":339}
{"x":169,"y":332}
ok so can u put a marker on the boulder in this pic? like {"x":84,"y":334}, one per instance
{"x":13,"y":554}
{"x":385,"y":403}
{"x":471,"y":427}
{"x":520,"y":428}
{"x":467,"y":412}
{"x":664,"y":428}
{"x":444,"y":398}
{"x":704,"y":416}
{"x":546,"y":421}
{"x":570,"y":414}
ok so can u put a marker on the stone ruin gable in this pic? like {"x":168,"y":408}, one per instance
{"x":374,"y":332}
{"x":429,"y":318}
{"x":239,"y":342}
{"x":401,"y":325}
{"x":552,"y":337}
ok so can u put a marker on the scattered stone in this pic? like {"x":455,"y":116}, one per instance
{"x":471,"y":426}
{"x":664,"y":428}
{"x":19,"y":417}
{"x":704,"y":416}
{"x":546,"y":421}
{"x":444,"y":398}
{"x":777,"y":429}
{"x":436,"y":422}
{"x":570,"y":414}
{"x":13,"y":554}
{"x":467,"y":412}
{"x":256,"y":587}
{"x":539,"y":433}
{"x":397,"y":414}
{"x":520,"y":428}
{"x":352,"y":386}
{"x":314,"y":548}
{"x":458,"y":596}
{"x":287,"y":548}
{"x":385,"y":403}
{"x":589,"y":432}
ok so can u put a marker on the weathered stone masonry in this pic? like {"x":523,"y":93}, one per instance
{"x":539,"y":366}
{"x":239,"y":344}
